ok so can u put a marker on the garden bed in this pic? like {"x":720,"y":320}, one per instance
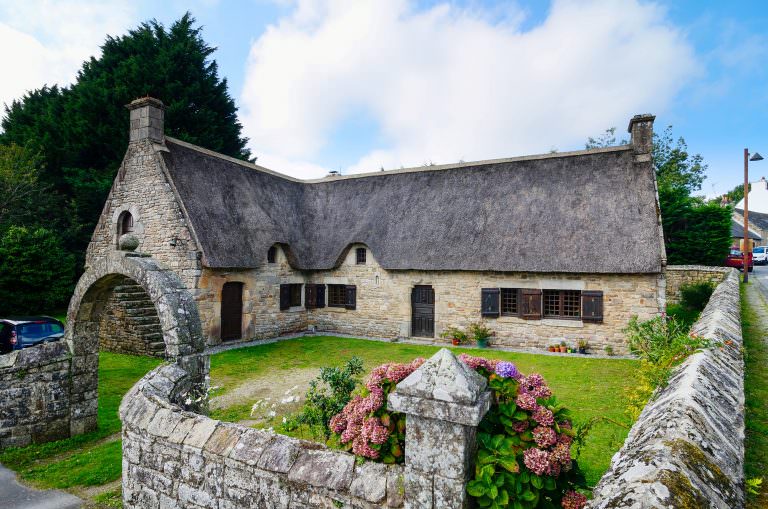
{"x":281,"y":371}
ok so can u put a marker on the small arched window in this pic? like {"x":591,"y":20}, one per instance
{"x":125,"y":224}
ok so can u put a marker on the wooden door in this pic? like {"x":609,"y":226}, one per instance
{"x":423,"y":311}
{"x":232,"y":311}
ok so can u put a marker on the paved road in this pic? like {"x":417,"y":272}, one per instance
{"x":759,"y":277}
{"x":16,"y":496}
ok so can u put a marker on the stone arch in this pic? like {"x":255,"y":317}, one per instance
{"x":176,"y":310}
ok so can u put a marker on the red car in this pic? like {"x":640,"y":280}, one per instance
{"x":736,"y":259}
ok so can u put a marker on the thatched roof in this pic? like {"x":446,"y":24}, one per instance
{"x":589,"y":212}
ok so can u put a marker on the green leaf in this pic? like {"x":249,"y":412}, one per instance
{"x":493,"y":492}
{"x":520,"y":415}
{"x":536,"y":481}
{"x":476,"y":489}
{"x":509,"y":464}
{"x":549,"y":483}
{"x":528,"y":495}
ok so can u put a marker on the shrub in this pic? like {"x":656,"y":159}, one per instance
{"x":695,"y":296}
{"x":455,"y":333}
{"x":327,"y":395}
{"x":480,"y":332}
{"x":366,"y":426}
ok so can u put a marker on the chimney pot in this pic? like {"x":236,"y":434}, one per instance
{"x":641,"y":131}
{"x":147,"y":120}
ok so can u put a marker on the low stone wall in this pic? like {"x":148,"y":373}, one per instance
{"x":679,"y":275}
{"x":173,"y":458}
{"x":34,"y":395}
{"x":687,"y":447}
{"x":129,"y":323}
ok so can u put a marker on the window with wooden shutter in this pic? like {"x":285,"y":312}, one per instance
{"x":310,"y":296}
{"x":337,"y":296}
{"x":565,"y":304}
{"x":530,"y":305}
{"x":285,"y":297}
{"x":295,"y":294}
{"x":351,"y":291}
{"x":320,"y":302}
{"x":510,"y":299}
{"x":592,"y":306}
{"x":489,"y":302}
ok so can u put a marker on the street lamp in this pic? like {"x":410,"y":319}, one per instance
{"x":747,"y":247}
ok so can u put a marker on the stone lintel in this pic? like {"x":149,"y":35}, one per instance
{"x":467,"y":415}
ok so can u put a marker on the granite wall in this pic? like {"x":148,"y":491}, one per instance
{"x":687,"y":447}
{"x":34,"y":394}
{"x":680,"y":275}
{"x":174,"y":458}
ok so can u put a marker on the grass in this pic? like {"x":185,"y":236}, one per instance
{"x":589,"y":387}
{"x":756,"y":398}
{"x":90,"y":459}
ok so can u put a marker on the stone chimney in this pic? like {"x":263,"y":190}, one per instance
{"x":641,"y":129}
{"x":147,"y":119}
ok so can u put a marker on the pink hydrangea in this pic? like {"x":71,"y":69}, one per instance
{"x":520,"y":426}
{"x":544,"y":436}
{"x":561,"y":454}
{"x":535,"y":385}
{"x":573,"y":500}
{"x":337,"y":423}
{"x":543,"y":416}
{"x":478,"y":362}
{"x":536,"y":460}
{"x":526,"y":401}
{"x":562,"y":438}
{"x":373,"y":431}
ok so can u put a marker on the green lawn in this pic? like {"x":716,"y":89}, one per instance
{"x":91,"y":459}
{"x":589,"y":387}
{"x":756,"y":393}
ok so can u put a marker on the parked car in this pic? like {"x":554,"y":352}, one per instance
{"x":736,"y":259}
{"x":760,"y":255}
{"x":23,"y":332}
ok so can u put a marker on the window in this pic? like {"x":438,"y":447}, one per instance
{"x":337,"y":296}
{"x":509,"y":301}
{"x":125,"y":224}
{"x":314,"y":296}
{"x":562,"y":303}
{"x":290,"y":295}
{"x":342,"y":296}
{"x":360,"y":255}
{"x":272,"y":255}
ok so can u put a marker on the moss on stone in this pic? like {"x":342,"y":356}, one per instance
{"x":698,"y":462}
{"x":682,"y":494}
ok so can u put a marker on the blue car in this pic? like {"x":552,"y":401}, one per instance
{"x":23,"y":332}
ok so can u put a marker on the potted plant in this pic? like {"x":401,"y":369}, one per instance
{"x":552,"y":348}
{"x":481,"y":334}
{"x":456,"y":335}
{"x":609,"y":350}
{"x":563,"y":348}
{"x":583,"y":345}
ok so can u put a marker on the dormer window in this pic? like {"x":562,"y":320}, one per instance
{"x":360,"y":255}
{"x":272,"y":255}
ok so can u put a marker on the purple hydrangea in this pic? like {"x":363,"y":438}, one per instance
{"x":507,"y":370}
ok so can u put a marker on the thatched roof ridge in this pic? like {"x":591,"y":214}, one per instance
{"x":589,"y":211}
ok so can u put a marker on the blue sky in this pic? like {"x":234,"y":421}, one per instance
{"x":355,"y":86}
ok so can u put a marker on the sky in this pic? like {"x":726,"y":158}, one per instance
{"x":360,"y":85}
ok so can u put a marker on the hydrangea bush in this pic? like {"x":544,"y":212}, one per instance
{"x":524,"y":441}
{"x":365,"y":426}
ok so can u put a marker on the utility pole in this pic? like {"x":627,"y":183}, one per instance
{"x":745,"y":264}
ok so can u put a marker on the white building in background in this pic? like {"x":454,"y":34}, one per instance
{"x":758,"y":197}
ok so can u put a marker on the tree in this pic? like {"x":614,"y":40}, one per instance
{"x":82,"y":131}
{"x":674,"y":165}
{"x":36,"y":273}
{"x":20,"y":190}
{"x":607,"y":139}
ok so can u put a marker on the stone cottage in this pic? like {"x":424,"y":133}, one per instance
{"x":544,"y":248}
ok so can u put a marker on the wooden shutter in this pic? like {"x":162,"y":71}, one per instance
{"x":320,"y":302}
{"x":489,"y":302}
{"x":530,"y":305}
{"x":310,"y":296}
{"x":285,"y":297}
{"x":351,"y":294}
{"x":592,"y":306}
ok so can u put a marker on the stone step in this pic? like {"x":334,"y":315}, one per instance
{"x":149,"y":328}
{"x":157,"y":346}
{"x":129,"y":290}
{"x":139,"y":312}
{"x":136,"y":303}
{"x":145,"y":320}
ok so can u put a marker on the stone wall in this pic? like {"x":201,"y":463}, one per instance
{"x":173,"y":458}
{"x":384,"y":307}
{"x":680,"y":275}
{"x":34,"y":395}
{"x":687,"y":447}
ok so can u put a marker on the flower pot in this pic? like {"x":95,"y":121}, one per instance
{"x":563,"y":349}
{"x":482,"y":343}
{"x":455,"y":342}
{"x":551,"y":348}
{"x":582,"y":350}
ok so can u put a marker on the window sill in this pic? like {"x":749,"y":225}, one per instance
{"x":556,"y":322}
{"x":294,"y":309}
{"x":335,"y":309}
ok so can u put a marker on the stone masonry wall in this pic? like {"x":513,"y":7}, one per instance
{"x":680,"y":275}
{"x":687,"y":447}
{"x":34,"y":395}
{"x":384,"y":307}
{"x":130,"y":323}
{"x":177,"y":459}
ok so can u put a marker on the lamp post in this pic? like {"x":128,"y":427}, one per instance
{"x":747,"y":246}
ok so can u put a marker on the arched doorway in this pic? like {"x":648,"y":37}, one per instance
{"x":175,"y":310}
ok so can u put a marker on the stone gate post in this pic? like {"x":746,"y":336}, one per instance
{"x":444,"y":401}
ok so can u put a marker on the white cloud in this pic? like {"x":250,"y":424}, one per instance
{"x":446,"y":84}
{"x":45,"y":41}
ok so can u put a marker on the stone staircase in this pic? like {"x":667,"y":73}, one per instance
{"x":131,"y":324}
